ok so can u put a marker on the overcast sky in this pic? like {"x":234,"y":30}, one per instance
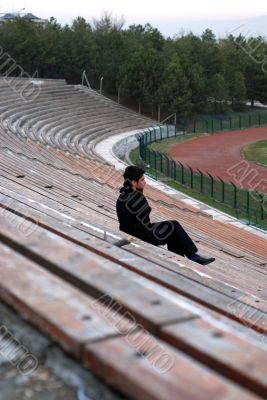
{"x":158,"y":13}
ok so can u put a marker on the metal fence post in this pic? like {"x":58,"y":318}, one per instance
{"x":207,"y":125}
{"x":155,"y":134}
{"x":140,"y":139}
{"x":211,"y":185}
{"x":145,"y":154}
{"x":222,"y":192}
{"x":155,"y":163}
{"x":168,"y":165}
{"x":174,"y":169}
{"x":149,"y":156}
{"x":201,"y":180}
{"x":191,"y":177}
{"x":184,"y":123}
{"x":261,"y":206}
{"x":160,"y":130}
{"x":155,"y":159}
{"x":235,"y":195}
{"x":165,"y":170}
{"x":248,"y":198}
{"x":146,"y":138}
{"x":144,"y":144}
{"x":182,"y":172}
{"x":161,"y":162}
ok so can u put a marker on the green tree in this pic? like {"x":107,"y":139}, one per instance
{"x":21,"y":40}
{"x":237,"y":90}
{"x":197,"y":84}
{"x":256,"y":68}
{"x":111,"y":51}
{"x":139,"y":75}
{"x":174,"y":91}
{"x":211,"y":55}
{"x":208,"y":36}
{"x":142,"y":64}
{"x":256,"y":83}
{"x":234,"y":64}
{"x":180,"y":73}
{"x":218,"y":92}
{"x":77,"y":50}
{"x":50,"y":58}
{"x":107,"y":22}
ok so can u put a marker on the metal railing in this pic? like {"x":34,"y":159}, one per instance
{"x":85,"y":79}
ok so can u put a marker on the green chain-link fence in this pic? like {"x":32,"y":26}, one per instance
{"x":248,"y":204}
{"x":217,"y":123}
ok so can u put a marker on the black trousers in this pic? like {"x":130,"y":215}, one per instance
{"x":172,"y":234}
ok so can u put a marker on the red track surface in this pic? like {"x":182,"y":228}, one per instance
{"x":219,"y":154}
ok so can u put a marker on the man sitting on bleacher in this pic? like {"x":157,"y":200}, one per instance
{"x":133,"y":213}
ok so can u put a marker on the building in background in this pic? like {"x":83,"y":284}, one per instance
{"x":12,"y":16}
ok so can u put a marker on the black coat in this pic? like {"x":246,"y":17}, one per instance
{"x":133,"y":213}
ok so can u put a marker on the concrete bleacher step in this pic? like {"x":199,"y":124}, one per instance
{"x":219,"y":233}
{"x":69,"y":317}
{"x":36,"y":152}
{"x":190,"y":283}
{"x":121,"y":310}
{"x":100,"y":115}
{"x":69,"y":211}
{"x":72,"y":217}
{"x":94,"y":275}
{"x":61,"y":193}
{"x":106,"y":100}
{"x":143,"y":382}
{"x":219,"y":274}
{"x":11,"y":104}
{"x":56,"y":307}
{"x":113,"y":195}
{"x":88,"y":235}
{"x":99,"y":278}
{"x":39,"y":175}
{"x":199,"y":338}
{"x":61,"y":183}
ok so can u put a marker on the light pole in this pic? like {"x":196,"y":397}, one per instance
{"x":101,"y":84}
{"x":21,"y":10}
{"x":17,"y":13}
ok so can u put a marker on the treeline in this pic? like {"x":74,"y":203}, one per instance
{"x":187,"y":74}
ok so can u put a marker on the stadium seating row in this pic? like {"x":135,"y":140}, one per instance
{"x":148,"y":322}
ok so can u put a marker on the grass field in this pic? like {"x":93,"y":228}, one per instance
{"x":256,"y":152}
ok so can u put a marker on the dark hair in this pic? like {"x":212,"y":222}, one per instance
{"x":133,"y":173}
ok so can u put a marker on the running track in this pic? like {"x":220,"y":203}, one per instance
{"x":219,"y":154}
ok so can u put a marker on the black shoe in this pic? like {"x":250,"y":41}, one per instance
{"x":201,"y":260}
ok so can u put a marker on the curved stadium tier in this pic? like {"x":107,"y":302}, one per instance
{"x":145,"y":321}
